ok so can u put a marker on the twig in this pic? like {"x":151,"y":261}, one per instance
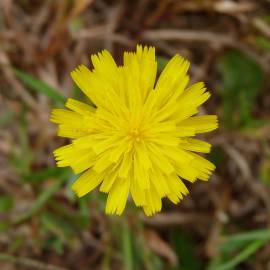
{"x":188,"y":35}
{"x":215,"y":39}
{"x":247,"y":176}
{"x":262,"y":26}
{"x":29,"y":263}
{"x":175,"y":218}
{"x":222,"y":6}
{"x":239,"y":160}
{"x":231,"y":7}
{"x":102,"y":34}
{"x":112,"y":24}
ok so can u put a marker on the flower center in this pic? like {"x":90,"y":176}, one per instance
{"x":135,"y":134}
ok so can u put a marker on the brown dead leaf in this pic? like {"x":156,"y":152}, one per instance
{"x":160,"y":247}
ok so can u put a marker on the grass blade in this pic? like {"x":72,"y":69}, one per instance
{"x":42,"y":175}
{"x":238,"y":240}
{"x":6,"y":118}
{"x":242,"y":256}
{"x":40,"y":86}
{"x":41,"y":201}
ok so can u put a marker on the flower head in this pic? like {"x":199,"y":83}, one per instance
{"x":138,"y":137}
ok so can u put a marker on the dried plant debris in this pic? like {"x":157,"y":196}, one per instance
{"x":222,"y":224}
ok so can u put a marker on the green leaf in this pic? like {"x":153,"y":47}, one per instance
{"x":45,"y":174}
{"x":79,"y":220}
{"x":245,"y":244}
{"x":4,"y":225}
{"x":239,"y":240}
{"x":54,"y":244}
{"x":6,"y":118}
{"x":6,"y":203}
{"x":266,"y":18}
{"x":184,"y":247}
{"x":22,"y":157}
{"x":242,"y":256}
{"x":84,"y":213}
{"x":76,"y":24}
{"x":241,"y":81}
{"x":51,"y":223}
{"x":265,"y":172}
{"x":263,"y":43}
{"x":217,"y":155}
{"x":39,"y":86}
{"x":161,"y":63}
{"x":17,"y":243}
{"x":41,"y":201}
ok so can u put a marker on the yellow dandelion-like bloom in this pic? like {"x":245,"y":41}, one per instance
{"x":137,"y":138}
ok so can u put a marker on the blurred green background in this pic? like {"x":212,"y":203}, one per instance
{"x":222,"y":224}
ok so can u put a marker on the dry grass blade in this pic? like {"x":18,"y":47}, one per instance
{"x":160,"y":247}
{"x":262,"y":26}
{"x":189,"y":35}
{"x":39,"y":215}
{"x":28,"y":263}
{"x":175,"y":218}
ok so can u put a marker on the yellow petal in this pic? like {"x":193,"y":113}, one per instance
{"x":137,"y":193}
{"x":159,"y":182}
{"x":83,"y":162}
{"x":117,"y":197}
{"x":201,"y":124}
{"x":79,"y":107}
{"x":160,"y":161}
{"x":153,"y":202}
{"x":109,"y":179}
{"x":140,"y":173}
{"x":68,"y":155}
{"x":87,"y":182}
{"x":137,"y":135}
{"x":61,"y":116}
{"x":177,"y":188}
{"x":204,"y":166}
{"x":195,"y":145}
{"x":102,"y":162}
{"x":171,"y":77}
{"x":143,"y":67}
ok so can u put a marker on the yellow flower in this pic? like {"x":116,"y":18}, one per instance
{"x":137,"y":138}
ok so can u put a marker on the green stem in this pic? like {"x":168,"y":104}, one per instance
{"x":127,"y":247}
{"x":242,"y":256}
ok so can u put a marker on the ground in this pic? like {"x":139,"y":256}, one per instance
{"x":222,"y":224}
